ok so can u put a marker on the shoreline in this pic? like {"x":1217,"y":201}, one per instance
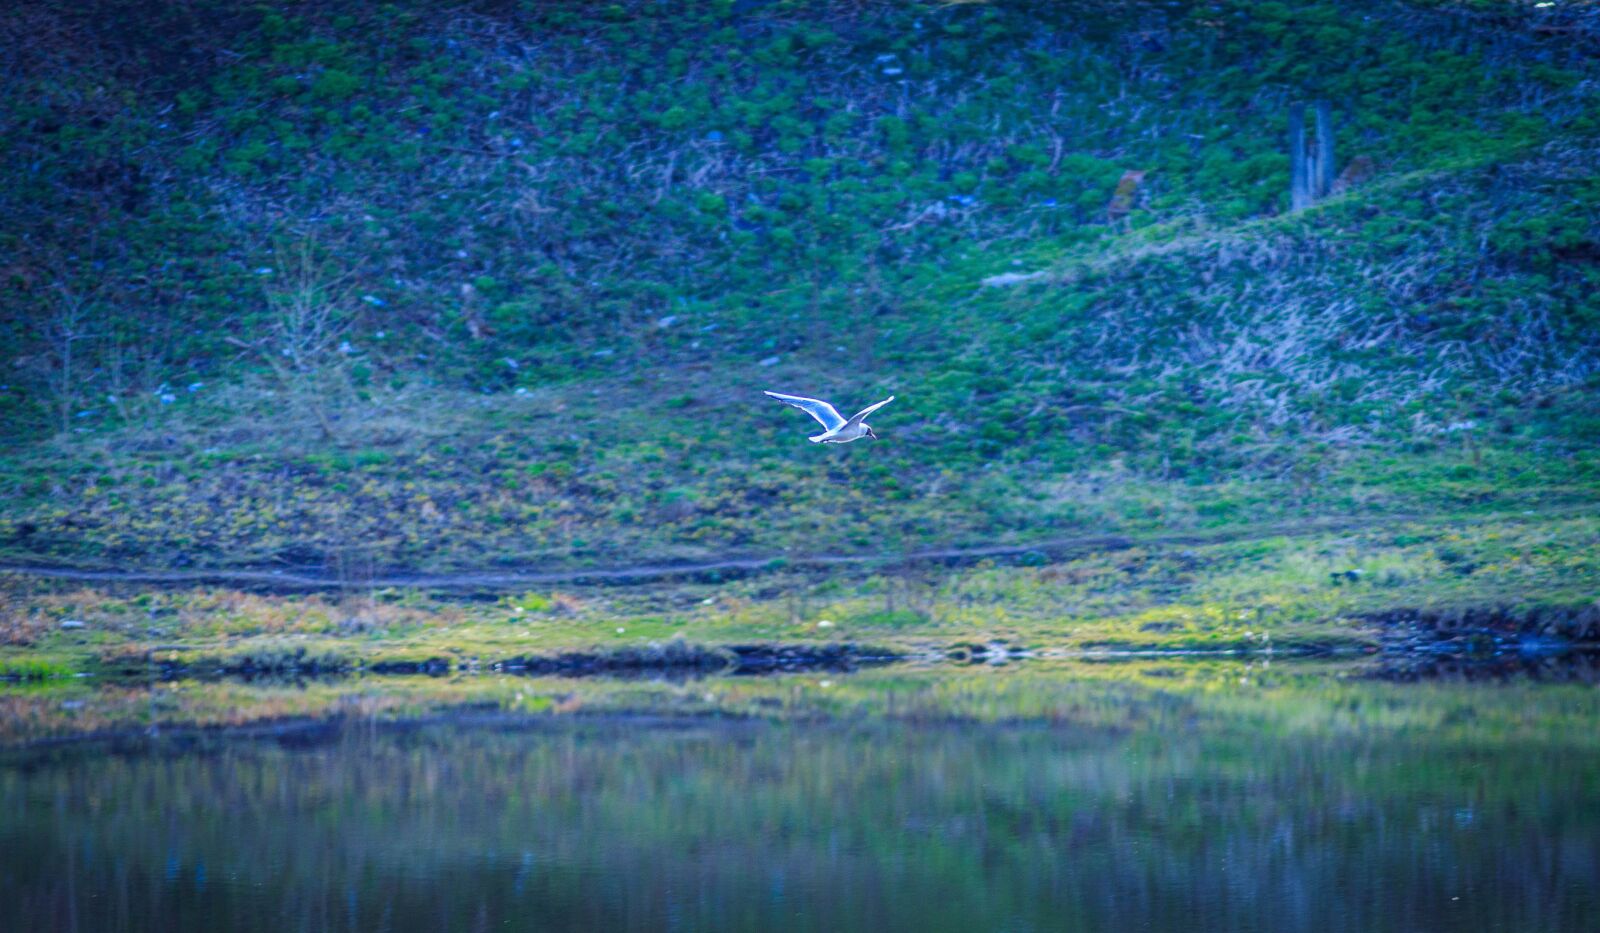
{"x":289,"y":580}
{"x":692,"y":661}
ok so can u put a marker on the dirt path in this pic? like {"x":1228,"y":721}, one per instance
{"x":308,"y":579}
{"x":305,"y":579}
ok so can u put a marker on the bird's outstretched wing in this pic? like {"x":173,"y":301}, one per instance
{"x":820,"y":410}
{"x":856,"y":418}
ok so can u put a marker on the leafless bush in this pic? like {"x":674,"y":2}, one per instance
{"x":311,"y":312}
{"x":66,"y":328}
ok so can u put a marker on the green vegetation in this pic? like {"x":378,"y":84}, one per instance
{"x":445,"y":307}
{"x":445,"y":286}
{"x":30,"y":668}
{"x":1262,"y":596}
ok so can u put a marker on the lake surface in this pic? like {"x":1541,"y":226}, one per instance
{"x":1159,"y":796}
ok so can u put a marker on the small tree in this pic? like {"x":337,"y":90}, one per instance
{"x":66,"y":328}
{"x":309,"y":317}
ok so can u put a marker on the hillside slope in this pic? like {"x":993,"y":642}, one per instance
{"x":446,"y":285}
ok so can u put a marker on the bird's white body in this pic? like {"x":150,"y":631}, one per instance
{"x":845,"y":434}
{"x":836,"y":428}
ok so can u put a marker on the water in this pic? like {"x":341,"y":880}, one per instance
{"x":1145,"y":797}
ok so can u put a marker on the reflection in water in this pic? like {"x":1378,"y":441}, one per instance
{"x":1544,"y":666}
{"x":1187,"y":817}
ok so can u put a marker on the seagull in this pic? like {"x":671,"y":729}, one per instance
{"x":836,"y":430}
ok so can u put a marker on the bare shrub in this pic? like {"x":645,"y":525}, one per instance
{"x":66,"y":328}
{"x":310,"y":312}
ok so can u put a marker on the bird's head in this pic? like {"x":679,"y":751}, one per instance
{"x":870,"y":433}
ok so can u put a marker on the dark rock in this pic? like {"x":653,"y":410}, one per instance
{"x":431,"y":666}
{"x":680,"y":657}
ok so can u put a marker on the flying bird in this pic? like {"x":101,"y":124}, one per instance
{"x":836,"y":429}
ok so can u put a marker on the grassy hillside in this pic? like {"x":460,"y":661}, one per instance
{"x":448,"y":285}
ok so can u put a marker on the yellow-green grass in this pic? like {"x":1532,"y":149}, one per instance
{"x":1316,"y":591}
